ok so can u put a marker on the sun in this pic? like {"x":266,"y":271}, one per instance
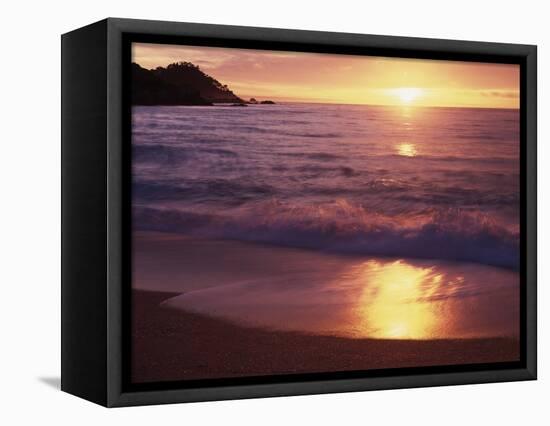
{"x":407,"y":95}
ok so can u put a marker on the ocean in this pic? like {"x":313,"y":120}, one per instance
{"x":410,"y":182}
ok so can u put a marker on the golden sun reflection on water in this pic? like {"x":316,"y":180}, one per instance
{"x":357,"y":297}
{"x":406,"y":150}
{"x":401,"y":301}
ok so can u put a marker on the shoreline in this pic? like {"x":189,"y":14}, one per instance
{"x":142,"y":233}
{"x":290,"y":289}
{"x":205,"y":309}
{"x":172,"y":344}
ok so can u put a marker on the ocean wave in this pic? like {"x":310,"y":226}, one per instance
{"x":326,"y":182}
{"x":280,"y":130}
{"x":455,"y":158}
{"x":312,"y":134}
{"x":201,"y":190}
{"x":453,"y":195}
{"x":315,"y":170}
{"x":341,"y":227}
{"x":320,"y":156}
{"x":175,"y":154}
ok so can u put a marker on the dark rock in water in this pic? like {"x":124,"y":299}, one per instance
{"x":239,"y":105}
{"x":252,"y":101}
{"x":181,"y":83}
{"x":267,"y":102}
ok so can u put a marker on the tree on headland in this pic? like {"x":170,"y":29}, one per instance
{"x":187,"y":74}
{"x":149,"y":89}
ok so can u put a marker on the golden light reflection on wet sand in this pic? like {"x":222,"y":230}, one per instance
{"x":350,"y":297}
{"x":401,"y":300}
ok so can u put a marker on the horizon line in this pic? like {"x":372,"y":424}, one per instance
{"x":335,"y":102}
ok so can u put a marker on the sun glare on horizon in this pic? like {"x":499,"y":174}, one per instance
{"x":407,"y":95}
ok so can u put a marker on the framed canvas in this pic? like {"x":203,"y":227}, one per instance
{"x":253,"y":212}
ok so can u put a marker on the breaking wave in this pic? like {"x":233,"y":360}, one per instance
{"x":449,"y":234}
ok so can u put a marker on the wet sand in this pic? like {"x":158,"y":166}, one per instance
{"x":170,"y":344}
{"x":289,"y":289}
{"x":219,"y":309}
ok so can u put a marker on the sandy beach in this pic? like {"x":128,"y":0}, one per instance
{"x":315,"y":312}
{"x":169,"y":344}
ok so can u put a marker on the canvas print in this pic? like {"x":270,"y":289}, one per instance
{"x":297,"y":212}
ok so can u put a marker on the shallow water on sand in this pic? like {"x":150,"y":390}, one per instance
{"x":352,"y":296}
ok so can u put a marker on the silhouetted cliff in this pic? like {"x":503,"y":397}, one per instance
{"x":182,"y":83}
{"x":150,"y":89}
{"x":188,"y":75}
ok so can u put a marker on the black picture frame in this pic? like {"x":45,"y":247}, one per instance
{"x":96,"y":219}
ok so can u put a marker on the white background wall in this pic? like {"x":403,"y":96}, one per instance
{"x":30,"y":194}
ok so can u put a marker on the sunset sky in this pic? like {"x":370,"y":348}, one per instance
{"x":315,"y":77}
